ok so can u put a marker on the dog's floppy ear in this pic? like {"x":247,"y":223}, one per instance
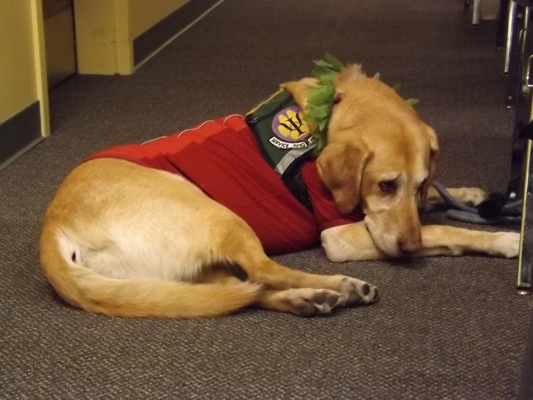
{"x":299,"y":90}
{"x":433,"y":157}
{"x":340,"y":166}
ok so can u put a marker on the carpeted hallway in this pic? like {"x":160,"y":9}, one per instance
{"x":445,"y":328}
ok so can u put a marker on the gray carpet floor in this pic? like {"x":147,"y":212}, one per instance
{"x":446,"y":328}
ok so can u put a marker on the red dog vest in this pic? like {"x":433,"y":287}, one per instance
{"x":222,"y":158}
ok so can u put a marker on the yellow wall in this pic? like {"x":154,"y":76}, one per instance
{"x":96,"y":36}
{"x":145,"y":14}
{"x":105,"y":30}
{"x":18,"y":87}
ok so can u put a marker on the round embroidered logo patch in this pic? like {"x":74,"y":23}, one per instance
{"x":289,"y":126}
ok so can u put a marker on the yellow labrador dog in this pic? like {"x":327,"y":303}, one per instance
{"x":123,"y":239}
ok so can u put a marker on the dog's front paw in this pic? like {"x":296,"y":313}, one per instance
{"x":471,"y":196}
{"x":358,"y":292}
{"x":507,"y":244}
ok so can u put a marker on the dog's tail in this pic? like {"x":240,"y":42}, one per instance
{"x":84,"y":288}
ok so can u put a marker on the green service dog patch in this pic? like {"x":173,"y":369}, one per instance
{"x":281,"y":132}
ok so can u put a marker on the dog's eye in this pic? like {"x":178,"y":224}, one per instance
{"x":388,"y":186}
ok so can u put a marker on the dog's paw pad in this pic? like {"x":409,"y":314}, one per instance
{"x":358,"y":292}
{"x":318,"y":302}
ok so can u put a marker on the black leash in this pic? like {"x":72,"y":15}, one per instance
{"x":493,"y":211}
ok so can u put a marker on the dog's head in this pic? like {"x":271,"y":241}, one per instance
{"x":380,"y":156}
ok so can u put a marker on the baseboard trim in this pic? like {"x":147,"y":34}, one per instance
{"x":19,"y":134}
{"x":159,"y":36}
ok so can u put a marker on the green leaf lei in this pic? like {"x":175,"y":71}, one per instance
{"x":321,"y":98}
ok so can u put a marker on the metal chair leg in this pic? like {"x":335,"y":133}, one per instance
{"x":511,"y":16}
{"x":476,"y":13}
{"x":518,"y":91}
{"x":525,"y":257}
{"x":522,"y":118}
{"x":502,"y":23}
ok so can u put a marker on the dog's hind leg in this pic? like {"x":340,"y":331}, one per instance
{"x":244,"y":249}
{"x":304,"y":302}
